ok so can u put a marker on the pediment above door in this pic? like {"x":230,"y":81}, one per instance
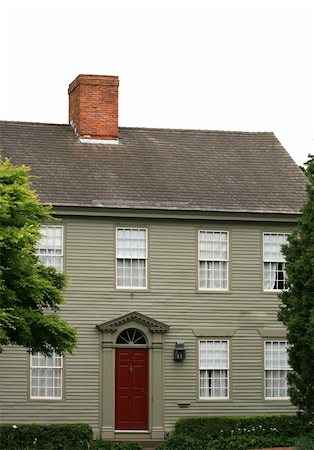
{"x":154,"y":326}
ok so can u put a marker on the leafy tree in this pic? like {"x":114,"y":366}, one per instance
{"x":297,"y":303}
{"x":30,"y":294}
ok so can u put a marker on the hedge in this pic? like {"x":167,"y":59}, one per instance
{"x":45,"y":437}
{"x":237,"y":433}
{"x":182,"y":443}
{"x":105,"y":445}
{"x":215,"y":427}
{"x":305,"y":443}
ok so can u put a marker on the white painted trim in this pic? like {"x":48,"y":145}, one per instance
{"x":283,"y":261}
{"x":278,"y":340}
{"x":144,"y":258}
{"x":227,"y":370}
{"x":227,"y":261}
{"x":99,"y":141}
{"x":40,"y":397}
{"x":38,"y":247}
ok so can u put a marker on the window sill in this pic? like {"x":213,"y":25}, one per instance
{"x":213,"y":291}
{"x":130,"y":289}
{"x":45,"y":399}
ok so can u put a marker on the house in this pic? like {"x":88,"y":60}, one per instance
{"x":172,"y":243}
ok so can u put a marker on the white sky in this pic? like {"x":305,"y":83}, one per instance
{"x":209,"y":64}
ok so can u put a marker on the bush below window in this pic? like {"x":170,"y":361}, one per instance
{"x":105,"y":445}
{"x":45,"y":437}
{"x":305,"y":443}
{"x":237,"y":433}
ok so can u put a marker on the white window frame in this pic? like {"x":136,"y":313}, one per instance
{"x":227,"y":397}
{"x":283,"y":261}
{"x":45,"y":368}
{"x":213,"y":260}
{"x":62,"y":245}
{"x":287,"y":368}
{"x":145,"y":259}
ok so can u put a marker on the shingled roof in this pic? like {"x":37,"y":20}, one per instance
{"x":188,"y":170}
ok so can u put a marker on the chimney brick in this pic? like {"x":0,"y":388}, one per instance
{"x":93,"y":106}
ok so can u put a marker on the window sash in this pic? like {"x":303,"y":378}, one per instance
{"x":214,"y":369}
{"x":274,"y":261}
{"x":213,"y":256}
{"x":50,"y":246}
{"x":131,"y":258}
{"x":46,"y":376}
{"x":276,"y":368}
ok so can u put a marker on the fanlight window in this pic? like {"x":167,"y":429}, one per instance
{"x":131,"y":336}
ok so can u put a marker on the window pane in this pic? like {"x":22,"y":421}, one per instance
{"x":131,"y":257}
{"x":49,"y":248}
{"x":276,"y":369}
{"x":213,"y":260}
{"x":274,"y":261}
{"x":46,"y":376}
{"x":213,"y":363}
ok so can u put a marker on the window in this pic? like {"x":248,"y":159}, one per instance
{"x":131,"y":255}
{"x":213,"y":259}
{"x":214,"y":369}
{"x":131,"y":336}
{"x":276,"y":369}
{"x":274,"y":261}
{"x":46,"y":376}
{"x":50,"y":246}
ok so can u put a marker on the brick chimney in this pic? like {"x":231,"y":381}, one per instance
{"x":93,"y":108}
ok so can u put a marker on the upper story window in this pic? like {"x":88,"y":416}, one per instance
{"x":50,"y":246}
{"x":276,"y":369}
{"x":131,"y":253}
{"x":213,"y":260}
{"x":274,"y":261}
{"x":214,"y":369}
{"x":46,"y":376}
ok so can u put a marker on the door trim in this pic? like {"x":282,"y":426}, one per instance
{"x":155,"y":345}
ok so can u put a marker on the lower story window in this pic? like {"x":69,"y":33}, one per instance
{"x":46,"y":376}
{"x":276,"y":369}
{"x":214,"y":369}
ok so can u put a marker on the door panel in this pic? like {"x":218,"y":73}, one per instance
{"x":131,"y":389}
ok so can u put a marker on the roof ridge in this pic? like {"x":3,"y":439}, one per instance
{"x":196,"y":129}
{"x":23,"y":122}
{"x":180,"y":130}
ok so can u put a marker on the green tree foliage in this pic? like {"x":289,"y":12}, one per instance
{"x":297,"y":303}
{"x":30,"y":294}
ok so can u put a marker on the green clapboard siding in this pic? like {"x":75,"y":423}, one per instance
{"x":172,"y":297}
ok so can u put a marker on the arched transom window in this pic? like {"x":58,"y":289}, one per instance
{"x":131,"y":336}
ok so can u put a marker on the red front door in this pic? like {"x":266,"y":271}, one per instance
{"x":131,"y":389}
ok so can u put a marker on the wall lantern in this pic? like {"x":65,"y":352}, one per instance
{"x":179,"y":351}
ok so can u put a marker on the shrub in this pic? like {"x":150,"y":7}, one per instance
{"x":238,"y":433}
{"x":240,"y":442}
{"x":276,"y":427}
{"x":105,"y":445}
{"x":182,"y":443}
{"x":101,"y":445}
{"x":45,"y":437}
{"x":245,"y":442}
{"x":305,"y":443}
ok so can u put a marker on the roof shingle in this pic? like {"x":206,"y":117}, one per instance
{"x":158,"y":169}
